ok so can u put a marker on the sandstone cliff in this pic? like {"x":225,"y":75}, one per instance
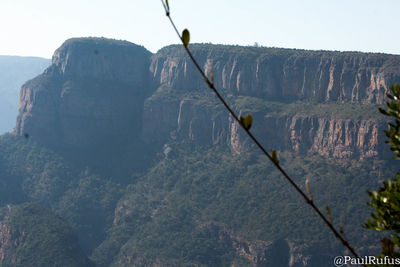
{"x":93,"y":92}
{"x":96,"y":90}
{"x":281,"y":74}
{"x":208,"y":124}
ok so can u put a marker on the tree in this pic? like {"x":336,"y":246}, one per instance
{"x":386,"y":200}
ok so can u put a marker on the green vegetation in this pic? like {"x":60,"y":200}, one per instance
{"x":192,"y":207}
{"x":31,"y":172}
{"x":331,"y":110}
{"x":196,"y":206}
{"x":176,"y":212}
{"x":39,"y":238}
{"x":386,"y":200}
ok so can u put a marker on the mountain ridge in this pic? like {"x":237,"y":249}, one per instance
{"x":151,"y":170}
{"x":368,"y":85}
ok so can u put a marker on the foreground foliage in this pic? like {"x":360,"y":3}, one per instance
{"x":386,"y":200}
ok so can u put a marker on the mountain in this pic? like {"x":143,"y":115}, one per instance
{"x":132,"y":152}
{"x":14,"y":71}
{"x":339,"y":120}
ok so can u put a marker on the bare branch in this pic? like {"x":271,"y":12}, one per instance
{"x":275,"y":162}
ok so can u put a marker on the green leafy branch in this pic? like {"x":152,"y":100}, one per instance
{"x":393,"y":111}
{"x":386,"y":200}
{"x":246,"y":123}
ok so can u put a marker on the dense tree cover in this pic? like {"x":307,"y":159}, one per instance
{"x":187,"y":208}
{"x":176,"y":210}
{"x":37,"y":237}
{"x":386,"y":200}
{"x":31,"y":172}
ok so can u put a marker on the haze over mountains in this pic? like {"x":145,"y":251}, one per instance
{"x":132,"y":152}
{"x":14,"y":71}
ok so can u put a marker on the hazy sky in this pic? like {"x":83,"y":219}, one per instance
{"x":38,"y":27}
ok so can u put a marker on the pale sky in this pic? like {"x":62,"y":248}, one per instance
{"x":38,"y":27}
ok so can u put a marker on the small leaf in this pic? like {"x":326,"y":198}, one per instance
{"x":166,"y":7}
{"x":185,"y":37}
{"x":274,"y":156}
{"x":308,"y":190}
{"x":328,"y":212}
{"x":211,"y":74}
{"x":247,"y":121}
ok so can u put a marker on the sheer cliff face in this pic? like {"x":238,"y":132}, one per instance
{"x":282,"y":74}
{"x":93,"y":91}
{"x":326,"y":135}
{"x":98,"y":90}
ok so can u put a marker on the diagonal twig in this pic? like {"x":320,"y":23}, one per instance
{"x":308,"y":200}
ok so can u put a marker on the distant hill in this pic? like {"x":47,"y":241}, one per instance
{"x":14,"y":72}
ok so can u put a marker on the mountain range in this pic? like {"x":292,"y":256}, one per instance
{"x":121,"y":157}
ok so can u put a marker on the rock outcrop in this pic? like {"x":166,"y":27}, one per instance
{"x":93,"y":92}
{"x":281,"y":74}
{"x":96,"y":90}
{"x":326,"y":135}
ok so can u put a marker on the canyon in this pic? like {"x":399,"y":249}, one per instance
{"x":132,"y":151}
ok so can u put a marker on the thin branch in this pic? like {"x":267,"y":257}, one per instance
{"x":308,"y":200}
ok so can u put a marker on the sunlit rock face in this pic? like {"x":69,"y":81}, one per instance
{"x":282,"y":74}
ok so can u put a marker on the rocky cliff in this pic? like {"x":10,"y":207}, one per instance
{"x":95,"y":91}
{"x":281,"y":74}
{"x":266,"y":77}
{"x":328,"y":134}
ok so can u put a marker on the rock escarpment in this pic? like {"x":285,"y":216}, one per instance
{"x":281,"y":74}
{"x":93,"y":92}
{"x":328,"y":135}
